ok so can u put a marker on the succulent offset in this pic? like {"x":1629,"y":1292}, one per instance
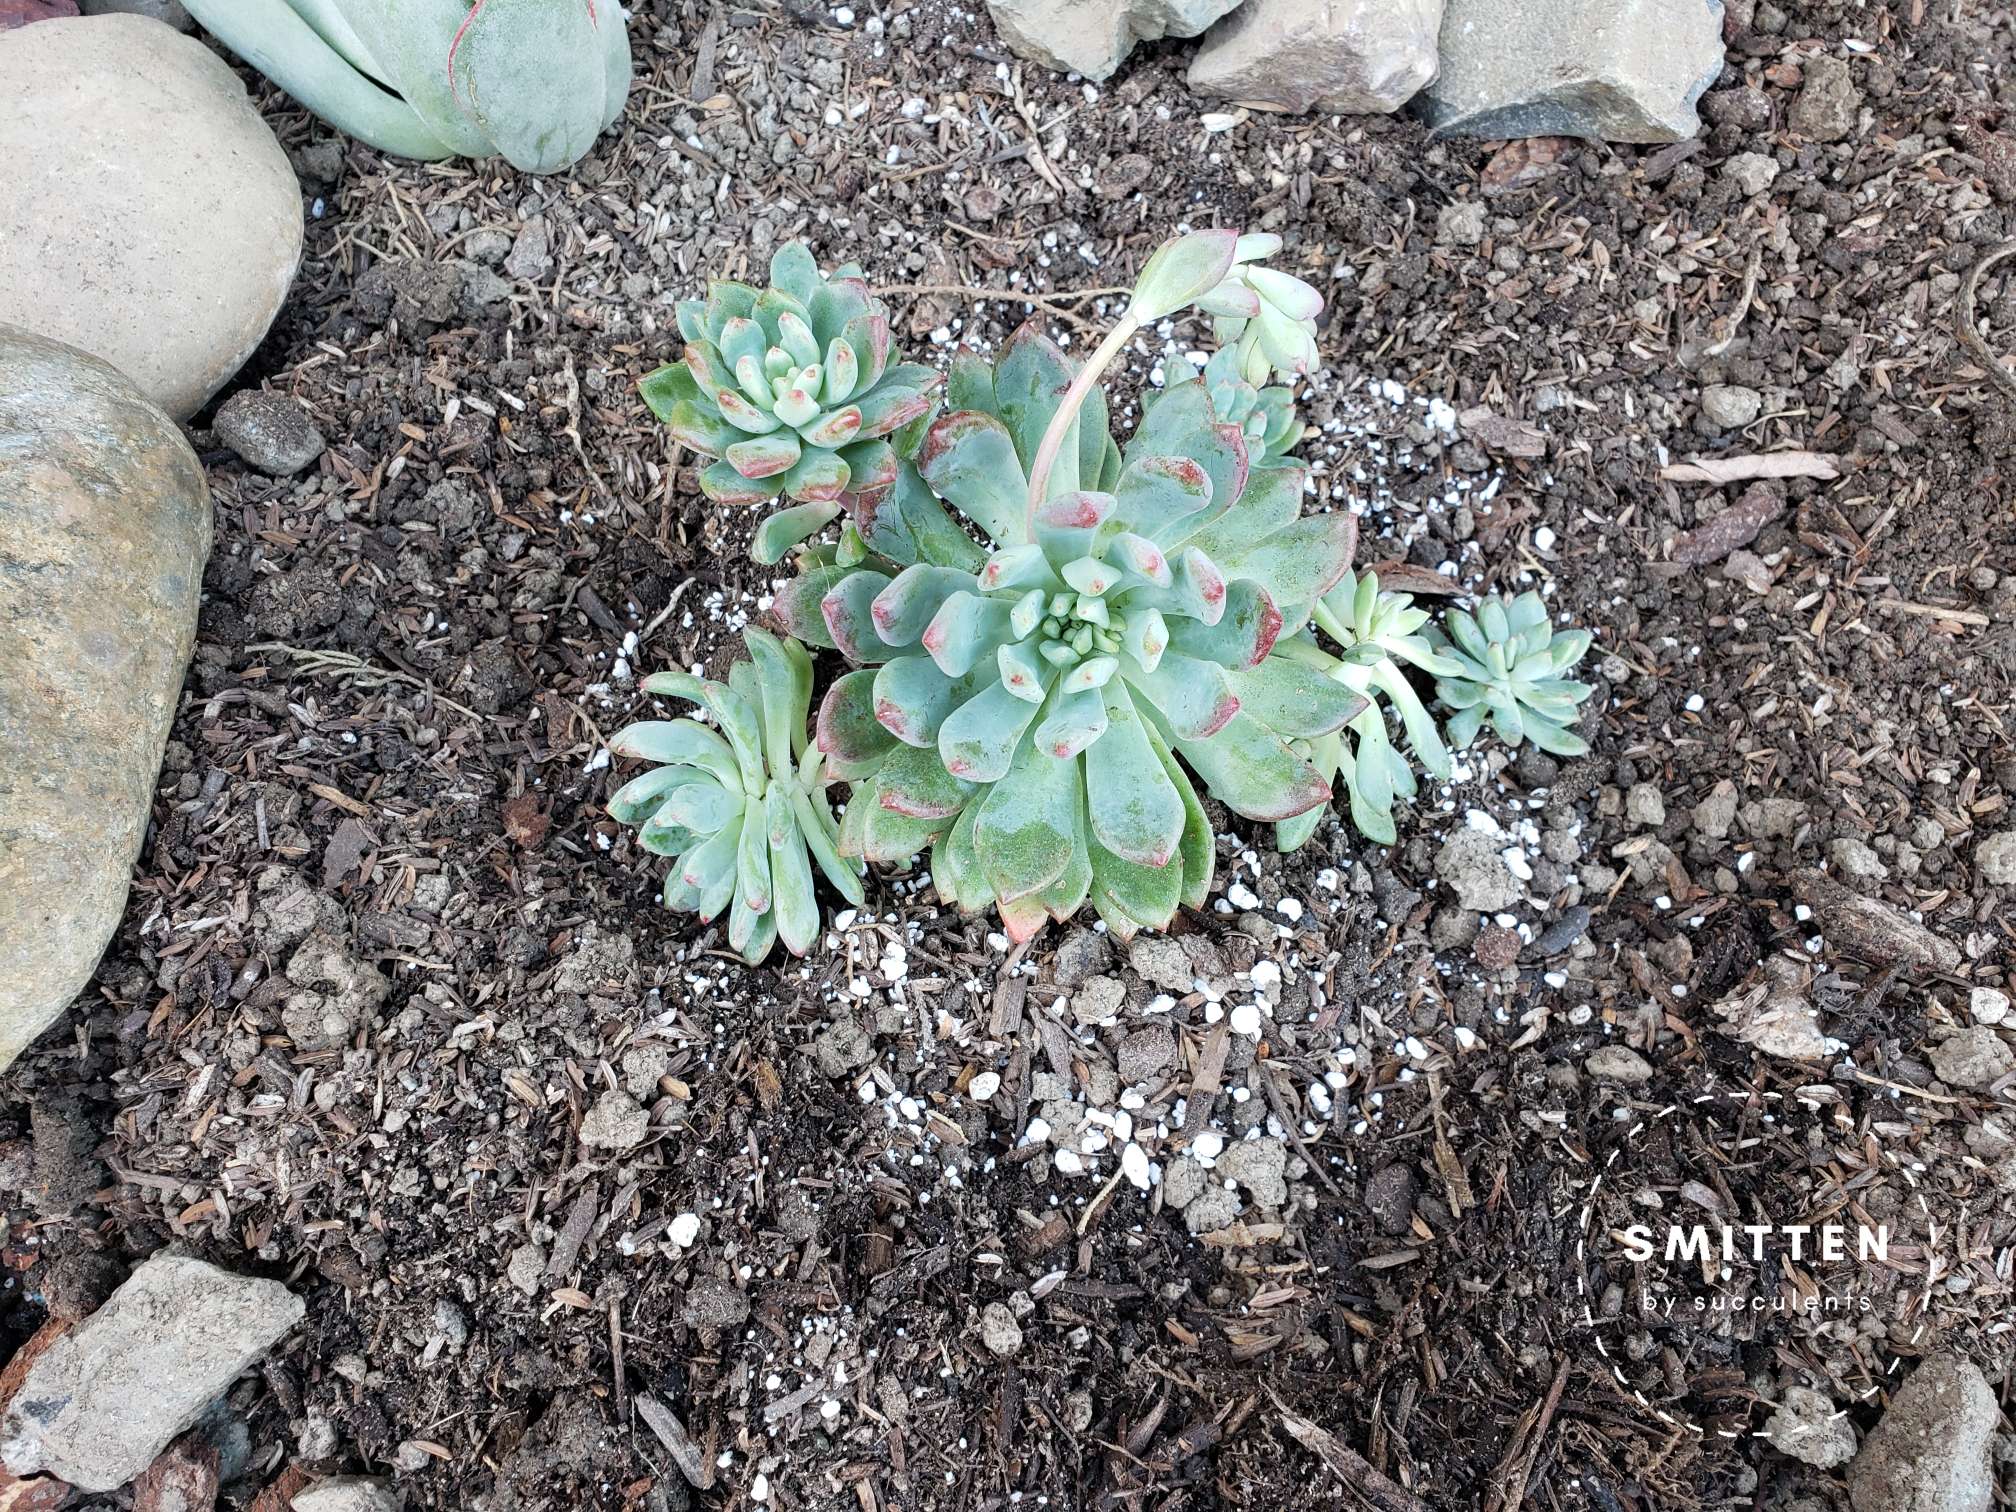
{"x":1020,"y":708}
{"x":741,"y":807}
{"x":1376,"y":631}
{"x":1265,"y":416}
{"x":532,"y":81}
{"x":792,"y":388}
{"x":1264,"y":317}
{"x":1506,"y":666}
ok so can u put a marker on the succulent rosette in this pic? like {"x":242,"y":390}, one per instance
{"x":1378,"y":634}
{"x":792,"y":388}
{"x":1506,"y":665}
{"x":1020,"y":707}
{"x":741,"y":803}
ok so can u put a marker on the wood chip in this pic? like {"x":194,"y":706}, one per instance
{"x":1785,"y":464}
{"x":691,"y":1459}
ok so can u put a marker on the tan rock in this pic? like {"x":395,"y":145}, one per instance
{"x":147,"y":215}
{"x":1094,"y":37}
{"x":1356,"y":57}
{"x":104,"y":529}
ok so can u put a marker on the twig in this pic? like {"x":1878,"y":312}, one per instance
{"x":1349,"y":1465}
{"x":1050,"y":306}
{"x":343,"y":664}
{"x":1963,"y":320}
{"x":1516,"y":1469}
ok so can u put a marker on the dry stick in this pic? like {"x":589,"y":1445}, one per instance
{"x":1015,"y":296}
{"x":1963,"y":321}
{"x":1517,"y":1467}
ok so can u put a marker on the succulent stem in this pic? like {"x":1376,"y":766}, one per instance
{"x":1067,"y":412}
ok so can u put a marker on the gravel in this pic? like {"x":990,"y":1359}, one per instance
{"x":270,"y":432}
{"x":1471,"y":863}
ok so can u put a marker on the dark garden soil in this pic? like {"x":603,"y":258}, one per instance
{"x":410,"y":659}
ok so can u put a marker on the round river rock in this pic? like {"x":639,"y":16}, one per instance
{"x":104,"y":529}
{"x":147,"y":214}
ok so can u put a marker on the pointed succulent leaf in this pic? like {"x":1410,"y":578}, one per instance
{"x":1130,"y":897}
{"x":1249,"y":769}
{"x":969,"y":460}
{"x":793,"y":269}
{"x":788,"y":528}
{"x":764,"y":456}
{"x":1027,"y":831}
{"x":1192,"y":697}
{"x":849,"y":613}
{"x":978,"y":739}
{"x":1244,"y":633}
{"x":1141,"y":558}
{"x":965,"y":630}
{"x":679,"y":741}
{"x":1295,"y":700}
{"x":725,"y":485}
{"x":1146,"y":637}
{"x":1023,"y":672}
{"x":1018,"y":567}
{"x":956,"y":870}
{"x":915,"y":782}
{"x":853,"y":740}
{"x":742,"y":347}
{"x":903,"y":609}
{"x":1134,"y":810}
{"x":1075,"y":721}
{"x":969,"y":385}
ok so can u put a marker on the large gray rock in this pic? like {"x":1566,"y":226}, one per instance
{"x":147,"y":214}
{"x":1930,"y":1451}
{"x":1356,"y":57}
{"x":104,"y":529}
{"x":170,"y":11}
{"x":349,"y":1493}
{"x":102,"y":1401}
{"x":1609,"y":70}
{"x":1093,"y":37}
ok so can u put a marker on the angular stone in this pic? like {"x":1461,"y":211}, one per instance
{"x":139,"y":171}
{"x":270,"y":432}
{"x":1609,"y":70}
{"x":1974,"y":1058}
{"x":1829,"y":104}
{"x":1355,"y":57}
{"x":104,"y":529}
{"x":103,"y":1401}
{"x":1808,"y":1428}
{"x":1093,"y":37}
{"x":1929,"y":1453}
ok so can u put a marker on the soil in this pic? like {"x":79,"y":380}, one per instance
{"x":385,"y":953}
